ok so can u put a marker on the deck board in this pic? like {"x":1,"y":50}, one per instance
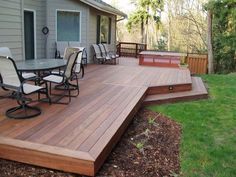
{"x":86,"y":130}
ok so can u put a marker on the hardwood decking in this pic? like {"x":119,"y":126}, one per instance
{"x":78,"y":137}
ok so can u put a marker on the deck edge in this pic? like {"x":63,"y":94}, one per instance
{"x":47,"y":156}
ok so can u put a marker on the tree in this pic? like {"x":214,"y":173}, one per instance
{"x":146,"y":10}
{"x":209,"y":43}
{"x":223,"y":34}
{"x":186,"y":26}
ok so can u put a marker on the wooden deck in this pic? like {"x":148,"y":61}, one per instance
{"x":78,"y":137}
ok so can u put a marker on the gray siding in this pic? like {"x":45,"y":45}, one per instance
{"x":39,"y":6}
{"x":12,"y":32}
{"x":52,"y":6}
{"x":11,"y":27}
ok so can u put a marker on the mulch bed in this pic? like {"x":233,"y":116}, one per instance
{"x":150,"y":147}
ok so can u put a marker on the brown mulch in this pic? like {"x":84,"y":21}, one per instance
{"x":150,"y":147}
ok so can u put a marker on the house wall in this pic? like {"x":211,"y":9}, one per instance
{"x":11,"y":27}
{"x":39,"y":6}
{"x":52,"y":6}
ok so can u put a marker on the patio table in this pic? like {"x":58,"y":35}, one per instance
{"x":38,"y":65}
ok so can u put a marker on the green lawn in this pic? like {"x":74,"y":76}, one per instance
{"x":208,"y":146}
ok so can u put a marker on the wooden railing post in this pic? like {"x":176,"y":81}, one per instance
{"x":136,"y":51}
{"x":119,"y":48}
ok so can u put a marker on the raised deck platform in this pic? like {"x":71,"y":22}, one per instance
{"x":198,"y":91}
{"x":78,"y":137}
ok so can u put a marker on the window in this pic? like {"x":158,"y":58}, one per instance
{"x":68,"y":26}
{"x":104,"y":29}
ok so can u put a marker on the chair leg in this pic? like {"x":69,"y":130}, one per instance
{"x":68,"y":88}
{"x":23,"y":111}
{"x":50,"y":88}
{"x":47,"y":94}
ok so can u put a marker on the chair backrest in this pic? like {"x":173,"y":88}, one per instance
{"x":97,"y":51}
{"x":78,"y":62}
{"x":71,"y":63}
{"x":75,"y":44}
{"x":106,"y":47}
{"x":5,"y":51}
{"x":102,"y":48}
{"x":9,"y":76}
{"x":69,"y":51}
{"x":61,"y":46}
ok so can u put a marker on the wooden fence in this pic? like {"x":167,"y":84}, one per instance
{"x":129,"y":49}
{"x":197,"y":63}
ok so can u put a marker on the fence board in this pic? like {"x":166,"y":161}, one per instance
{"x":197,"y":63}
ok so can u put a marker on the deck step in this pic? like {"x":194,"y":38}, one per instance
{"x":198,"y":91}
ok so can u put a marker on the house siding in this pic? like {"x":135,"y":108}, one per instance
{"x":11,"y":27}
{"x":52,"y":6}
{"x":39,"y":6}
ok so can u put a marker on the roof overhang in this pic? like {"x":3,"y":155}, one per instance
{"x":104,"y":8}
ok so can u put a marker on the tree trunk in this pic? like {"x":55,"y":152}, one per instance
{"x":142,"y":32}
{"x":146,"y":33}
{"x":209,"y":43}
{"x":169,"y":26}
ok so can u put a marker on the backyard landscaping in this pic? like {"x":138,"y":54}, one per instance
{"x":208,"y":144}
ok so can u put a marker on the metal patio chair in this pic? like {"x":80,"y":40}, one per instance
{"x":112,"y":53}
{"x":83,"y":49}
{"x":12,"y":81}
{"x":98,"y":57}
{"x":63,"y":80}
{"x":5,"y":51}
{"x":79,"y":65}
{"x":108,"y":58}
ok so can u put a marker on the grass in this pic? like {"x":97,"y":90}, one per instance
{"x":208,"y":145}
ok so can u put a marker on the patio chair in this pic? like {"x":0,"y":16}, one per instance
{"x":64,"y":80}
{"x":12,"y":81}
{"x":112,"y":53}
{"x":83,"y":49}
{"x":79,"y":68}
{"x":78,"y":63}
{"x":5,"y":51}
{"x":108,"y":58}
{"x":60,"y":48}
{"x":99,"y":57}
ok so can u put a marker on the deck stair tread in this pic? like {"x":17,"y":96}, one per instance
{"x":198,"y":91}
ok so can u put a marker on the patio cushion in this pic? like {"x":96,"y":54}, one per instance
{"x":28,"y":75}
{"x":53,"y":78}
{"x":28,"y":88}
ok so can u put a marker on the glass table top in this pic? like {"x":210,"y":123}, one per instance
{"x":40,"y":64}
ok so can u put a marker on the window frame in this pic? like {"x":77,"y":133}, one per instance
{"x":99,"y":28}
{"x":67,"y":10}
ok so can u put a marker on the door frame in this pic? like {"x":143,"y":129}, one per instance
{"x":35,"y":43}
